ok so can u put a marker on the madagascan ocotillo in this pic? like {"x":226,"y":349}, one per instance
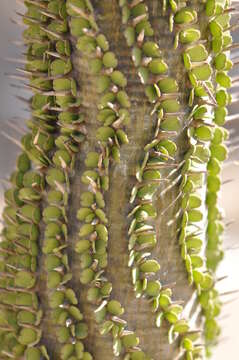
{"x":112,"y":230}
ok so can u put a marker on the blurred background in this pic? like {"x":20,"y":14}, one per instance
{"x":13,"y":111}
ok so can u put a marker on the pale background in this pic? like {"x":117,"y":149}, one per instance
{"x":12,"y":110}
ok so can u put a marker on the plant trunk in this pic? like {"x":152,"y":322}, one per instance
{"x":186,"y":105}
{"x":122,"y":178}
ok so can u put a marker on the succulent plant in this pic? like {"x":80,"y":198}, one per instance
{"x":112,"y":230}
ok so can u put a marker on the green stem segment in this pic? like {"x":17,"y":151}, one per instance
{"x":160,"y":153}
{"x":93,"y":235}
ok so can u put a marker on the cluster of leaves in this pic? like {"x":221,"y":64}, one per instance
{"x":205,"y":152}
{"x":159,"y":154}
{"x":113,"y":115}
{"x":56,"y":131}
{"x":219,"y":20}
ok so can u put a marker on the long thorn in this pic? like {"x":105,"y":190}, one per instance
{"x":231,"y":292}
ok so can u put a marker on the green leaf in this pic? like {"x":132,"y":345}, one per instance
{"x":185,"y":16}
{"x":150,"y":266}
{"x":211,"y":7}
{"x":118,"y":78}
{"x":102,"y":232}
{"x":202,"y":72}
{"x":86,"y":276}
{"x":121,"y":135}
{"x":53,"y":279}
{"x":147,"y":240}
{"x":33,"y":354}
{"x":181,"y":326}
{"x":171,"y":316}
{"x":194,"y":243}
{"x":78,"y":25}
{"x":220,"y":152}
{"x":130,"y":340}
{"x":86,"y":44}
{"x":153,"y":288}
{"x":213,"y":183}
{"x":89,"y":176}
{"x":151,"y":175}
{"x":204,"y":133}
{"x":151,"y":49}
{"x":114,"y":307}
{"x":146,"y":192}
{"x":157,"y":67}
{"x":220,"y":114}
{"x":87,"y":356}
{"x":123,"y":99}
{"x":170,"y":123}
{"x":92,"y":159}
{"x":168,"y":85}
{"x":189,"y":35}
{"x":82,"y":246}
{"x":196,"y":261}
{"x":102,"y":42}
{"x":27,"y":336}
{"x":222,"y":97}
{"x":63,"y":334}
{"x":52,"y":213}
{"x":66,"y":351}
{"x":187,"y":343}
{"x":220,"y":61}
{"x":25,"y":280}
{"x":109,"y":60}
{"x":144,"y":26}
{"x":79,"y":350}
{"x":151,"y":93}
{"x":76,"y":313}
{"x":195,"y":215}
{"x":197,"y":53}
{"x":138,"y":355}
{"x":60,"y":67}
{"x":62,"y":158}
{"x":202,"y":153}
{"x":106,"y":327}
{"x":219,"y":135}
{"x":105,"y":133}
{"x":194,"y":201}
{"x":215,"y":28}
{"x":52,"y":262}
{"x":198,"y":276}
{"x":26,"y":317}
{"x":56,"y":299}
{"x":223,"y":79}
